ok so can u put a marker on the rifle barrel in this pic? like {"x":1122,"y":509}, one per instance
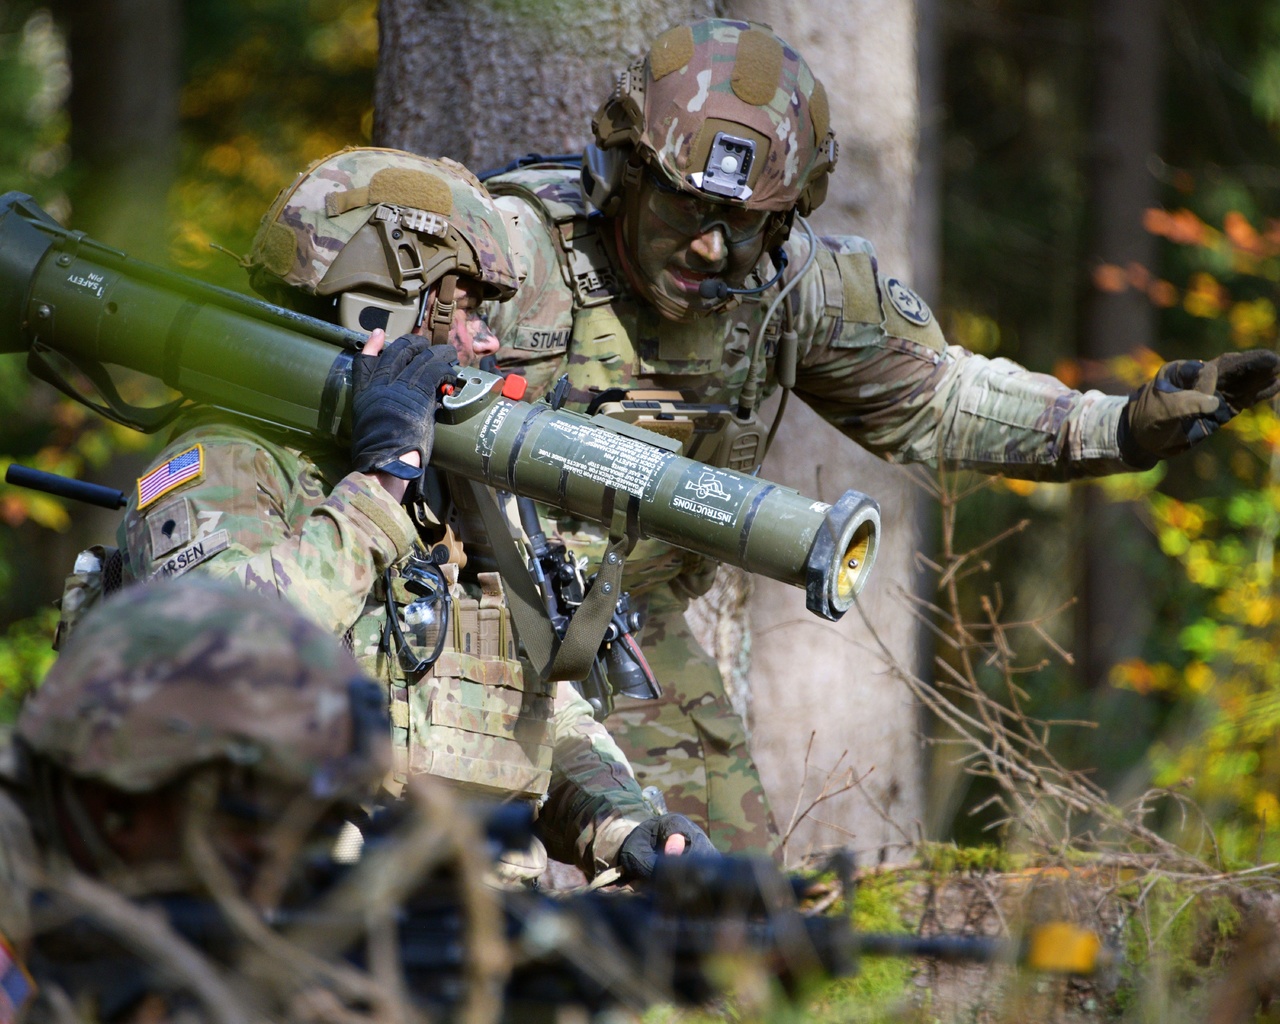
{"x":65,"y":487}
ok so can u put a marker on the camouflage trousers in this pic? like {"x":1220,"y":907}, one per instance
{"x":690,"y":743}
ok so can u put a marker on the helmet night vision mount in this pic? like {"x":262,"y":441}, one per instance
{"x":728,"y":168}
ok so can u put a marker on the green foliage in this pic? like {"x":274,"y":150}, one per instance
{"x":270,"y":85}
{"x":1221,"y":668}
{"x":25,"y":657}
{"x":33,"y":86}
{"x":950,"y":859}
{"x":266,"y":94}
{"x":882,"y":983}
{"x":1198,"y":710}
{"x":875,"y":995}
{"x":1177,"y":937}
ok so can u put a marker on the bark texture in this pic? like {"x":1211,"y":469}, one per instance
{"x":484,"y":81}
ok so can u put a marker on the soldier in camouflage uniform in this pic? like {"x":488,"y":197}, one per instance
{"x":191,"y":735}
{"x":708,"y":154}
{"x":19,"y":870}
{"x":395,"y":244}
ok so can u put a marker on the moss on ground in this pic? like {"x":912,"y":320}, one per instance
{"x":1177,"y":938}
{"x":882,"y":984}
{"x":1174,"y":939}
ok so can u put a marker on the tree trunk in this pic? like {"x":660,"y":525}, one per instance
{"x":1114,"y":614}
{"x":808,"y":676}
{"x":484,"y":81}
{"x":125,"y":58}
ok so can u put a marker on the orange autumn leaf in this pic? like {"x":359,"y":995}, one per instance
{"x":1163,"y":294}
{"x":1242,"y":233}
{"x":1137,"y":275}
{"x":1107,"y":277}
{"x":1181,"y":226}
{"x":1068,"y":371}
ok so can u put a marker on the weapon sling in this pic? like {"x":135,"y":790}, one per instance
{"x":553,"y":657}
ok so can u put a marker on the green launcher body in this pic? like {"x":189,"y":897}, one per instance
{"x":64,"y":297}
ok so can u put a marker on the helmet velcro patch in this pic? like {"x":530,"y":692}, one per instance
{"x":276,"y":249}
{"x":401,"y":186}
{"x":338,"y":203}
{"x":672,"y":51}
{"x":757,"y":69}
{"x":819,"y":111}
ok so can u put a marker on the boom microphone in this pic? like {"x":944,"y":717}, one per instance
{"x":714,"y":288}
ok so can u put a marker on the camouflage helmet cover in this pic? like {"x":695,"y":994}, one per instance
{"x":427,"y":217}
{"x":168,"y":676}
{"x":734,"y":77}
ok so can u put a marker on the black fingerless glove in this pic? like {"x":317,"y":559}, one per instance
{"x":393,"y":404}
{"x":639,"y":853}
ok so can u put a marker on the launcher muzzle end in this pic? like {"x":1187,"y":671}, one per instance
{"x":842,"y":555}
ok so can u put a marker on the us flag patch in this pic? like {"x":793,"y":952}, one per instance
{"x":188,"y":465}
{"x":16,"y":986}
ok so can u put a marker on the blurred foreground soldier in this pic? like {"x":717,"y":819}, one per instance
{"x":676,"y":284}
{"x":406,"y":247}
{"x":193,"y":738}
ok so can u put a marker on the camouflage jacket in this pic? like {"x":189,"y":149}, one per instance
{"x":293,"y":523}
{"x":872,"y":359}
{"x":18,"y":870}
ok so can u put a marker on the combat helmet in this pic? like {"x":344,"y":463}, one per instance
{"x":721,"y":109}
{"x":369,"y":231}
{"x":170,"y":676}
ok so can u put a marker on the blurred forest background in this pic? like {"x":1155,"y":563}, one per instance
{"x":1107,"y":189}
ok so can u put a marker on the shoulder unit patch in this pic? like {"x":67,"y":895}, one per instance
{"x":908,"y":303}
{"x":185,"y":466}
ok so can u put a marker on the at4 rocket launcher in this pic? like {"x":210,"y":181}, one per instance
{"x":65,"y":298}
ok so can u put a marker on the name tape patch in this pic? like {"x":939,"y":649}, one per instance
{"x":188,"y":465}
{"x":539,"y":339}
{"x":191,"y":556}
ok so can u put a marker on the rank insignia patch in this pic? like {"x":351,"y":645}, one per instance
{"x":188,"y":465}
{"x":908,"y":303}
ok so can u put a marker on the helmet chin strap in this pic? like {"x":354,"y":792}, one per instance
{"x":445,"y":304}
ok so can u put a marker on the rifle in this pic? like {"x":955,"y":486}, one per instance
{"x":676,"y":941}
{"x":68,"y":300}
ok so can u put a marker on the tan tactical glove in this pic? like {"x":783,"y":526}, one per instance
{"x":1188,"y":400}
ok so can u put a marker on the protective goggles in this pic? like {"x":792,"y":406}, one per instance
{"x":418,"y":629}
{"x":692,"y":216}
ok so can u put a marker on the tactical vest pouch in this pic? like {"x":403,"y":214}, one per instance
{"x":98,"y":573}
{"x":472,"y":719}
{"x":707,"y":432}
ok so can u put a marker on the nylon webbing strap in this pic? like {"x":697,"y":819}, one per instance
{"x":528,"y":613}
{"x":553,"y":658}
{"x":582,"y":639}
{"x":114,"y":407}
